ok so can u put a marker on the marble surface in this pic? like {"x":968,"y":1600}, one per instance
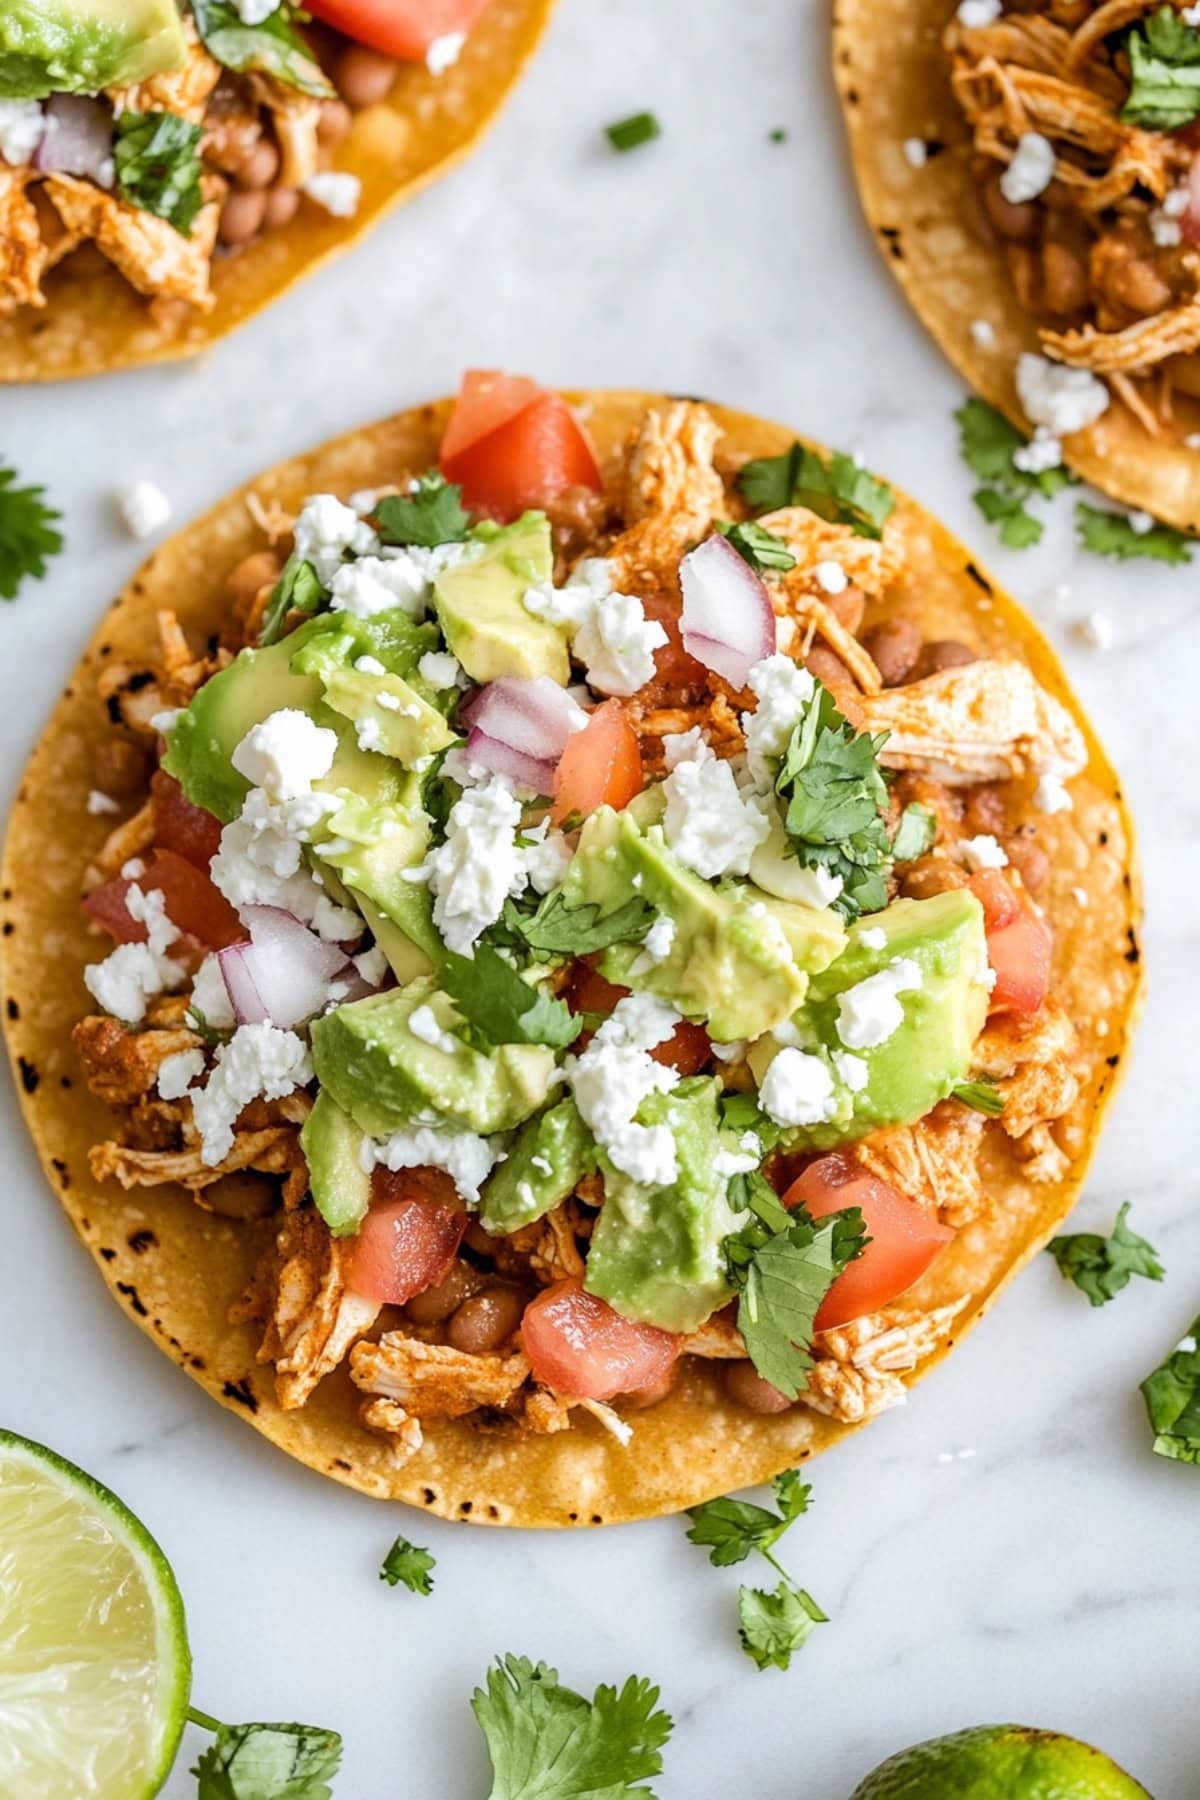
{"x":1047,"y":1576}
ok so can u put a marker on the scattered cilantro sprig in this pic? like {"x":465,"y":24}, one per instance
{"x":628,"y":134}
{"x":266,"y":1762}
{"x":1172,"y":1396}
{"x":774,"y":1625}
{"x":915,"y":832}
{"x":547,"y":1742}
{"x":430,"y":515}
{"x":156,"y":156}
{"x":988,"y":443}
{"x":555,"y":928}
{"x":498,"y":1007}
{"x":1164,"y":69}
{"x":271,"y":47}
{"x":297,"y":590}
{"x":980,"y":1096}
{"x":837,"y":490}
{"x":834,"y":792}
{"x":27,"y":534}
{"x":765,"y":551}
{"x":410,"y":1564}
{"x":1101,"y":1266}
{"x":1112,"y":534}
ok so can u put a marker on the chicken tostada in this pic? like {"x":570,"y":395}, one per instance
{"x":624,"y":941}
{"x":169,"y":167}
{"x":1030,"y":170}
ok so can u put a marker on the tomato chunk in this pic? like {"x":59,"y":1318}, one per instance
{"x":179,"y":826}
{"x":1019,"y":944}
{"x":508,"y":456}
{"x":601,"y":765}
{"x":407,"y":1241}
{"x":578,"y":1345}
{"x":190,"y":901}
{"x":905,"y":1238}
{"x":404,"y":28}
{"x":689,"y":1047}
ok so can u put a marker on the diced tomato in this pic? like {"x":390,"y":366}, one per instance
{"x":601,"y":765}
{"x":179,"y":826}
{"x":689,"y":1047}
{"x":190,"y":901}
{"x":403,"y":28}
{"x":673,"y":667}
{"x":1019,"y":943}
{"x":579,"y":1346}
{"x":905,"y":1238}
{"x":407,"y":1241}
{"x":513,"y":445}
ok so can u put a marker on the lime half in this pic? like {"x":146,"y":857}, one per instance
{"x":94,"y":1663}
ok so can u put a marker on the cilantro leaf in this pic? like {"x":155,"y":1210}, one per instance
{"x":558,"y":929}
{"x":834,"y":788}
{"x":1164,"y":69}
{"x":838,"y":490}
{"x":764,"y":550}
{"x":1018,"y":527}
{"x":781,"y":1273}
{"x":267,"y":1762}
{"x":27,"y":536}
{"x":915,"y":832}
{"x":429,"y":516}
{"x":1111,"y":534}
{"x":410,"y":1564}
{"x":627,"y":134}
{"x":1101,"y":1266}
{"x":1172,"y":1396}
{"x":157,"y":160}
{"x":271,"y":47}
{"x":988,"y":443}
{"x":730,"y":1529}
{"x":548,"y":1743}
{"x":499,"y":1007}
{"x":775,"y":1625}
{"x":297,"y":590}
{"x":981,"y":1096}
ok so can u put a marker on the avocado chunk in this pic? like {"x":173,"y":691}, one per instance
{"x":731,"y":961}
{"x":929,"y":1052}
{"x":82,"y":46}
{"x":387,"y":1077}
{"x":546,"y":1161}
{"x":332,"y":1145}
{"x":370,"y":846}
{"x":388,"y":715}
{"x":338,"y":639}
{"x":480,"y":606}
{"x":655,"y":1253}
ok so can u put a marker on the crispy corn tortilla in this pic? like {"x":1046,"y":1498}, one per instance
{"x":95,"y":321}
{"x":892,"y":76}
{"x":175,"y":1269}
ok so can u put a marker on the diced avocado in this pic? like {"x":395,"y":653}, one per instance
{"x":399,"y":722}
{"x":332,"y":1145}
{"x":730,"y":962}
{"x":929,"y":1053}
{"x":369,"y":847}
{"x":545,"y":1162}
{"x":655,"y":1254}
{"x":406,"y":960}
{"x":815,"y":934}
{"x":480,"y":605}
{"x":339,"y":638}
{"x":783,"y":876}
{"x":387,"y":1077}
{"x":82,"y":46}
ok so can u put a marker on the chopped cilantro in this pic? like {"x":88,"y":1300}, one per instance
{"x":775,"y":1625}
{"x":499,"y":1007}
{"x":838,"y":490}
{"x":1164,"y":70}
{"x":438,"y":794}
{"x":266,"y":1762}
{"x":548,"y":1743}
{"x":1101,"y":1266}
{"x":834,"y":790}
{"x":988,"y":443}
{"x":27,"y":534}
{"x":271,"y":47}
{"x":627,"y":134}
{"x":429,"y":516}
{"x":1112,"y":534}
{"x":197,"y":1022}
{"x":914,"y":833}
{"x":410,"y":1564}
{"x":297,"y":590}
{"x":777,"y":135}
{"x":1172,"y":1396}
{"x":557,"y":929}
{"x":981,"y":1096}
{"x":1019,"y":529}
{"x":730,"y":1529}
{"x":762,"y":549}
{"x":157,"y":160}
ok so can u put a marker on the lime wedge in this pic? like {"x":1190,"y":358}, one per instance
{"x":94,"y":1663}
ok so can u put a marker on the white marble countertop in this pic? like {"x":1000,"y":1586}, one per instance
{"x":1048,"y":1577}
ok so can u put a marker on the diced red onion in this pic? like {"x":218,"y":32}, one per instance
{"x":282,"y":975}
{"x":520,"y":728}
{"x":78,"y":138}
{"x":727,"y":621}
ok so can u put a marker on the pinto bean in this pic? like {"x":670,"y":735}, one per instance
{"x":1065,"y":285}
{"x":260,"y":167}
{"x":746,"y":1387}
{"x":1185,"y":373}
{"x":241,"y":217}
{"x":930,"y":875}
{"x":483,"y":1322}
{"x":437,"y":1303}
{"x":848,"y":607}
{"x":1016,"y":223}
{"x":1028,"y":859}
{"x":120,"y":767}
{"x":334,"y":123}
{"x":646,"y":1397}
{"x":364,"y":77}
{"x":893,"y":647}
{"x":943,"y":653}
{"x":282,"y":204}
{"x":986,"y":811}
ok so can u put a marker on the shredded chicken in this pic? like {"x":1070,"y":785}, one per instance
{"x":149,"y":252}
{"x":407,"y":1380}
{"x":984,"y":721}
{"x":122,"y":1066}
{"x":312,"y":1317}
{"x":718,"y":1339}
{"x":124,"y":842}
{"x":272,"y":1150}
{"x":137,"y":694}
{"x":1138,"y":347}
{"x":295,"y":116}
{"x":858,"y":1367}
{"x":1035,"y":1064}
{"x":23,"y":254}
{"x":184,"y":92}
{"x":672,"y":494}
{"x":932,"y":1162}
{"x":547,"y":1248}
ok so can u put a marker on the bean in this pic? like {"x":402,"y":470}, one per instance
{"x":241,"y":217}
{"x":745,"y":1385}
{"x":260,"y":167}
{"x":1028,"y":859}
{"x":282,"y":203}
{"x":484,"y":1321}
{"x":437,"y":1303}
{"x":943,"y":653}
{"x":363,"y":77}
{"x":893,"y":647}
{"x":646,"y":1397}
{"x":1017,"y":223}
{"x":848,"y":607}
{"x":120,"y":767}
{"x":1185,"y":373}
{"x":334,"y":123}
{"x":930,"y":875}
{"x":1065,"y":287}
{"x":986,"y":811}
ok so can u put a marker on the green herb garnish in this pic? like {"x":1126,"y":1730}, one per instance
{"x":1101,"y":1266}
{"x":764,"y":550}
{"x":410,"y":1564}
{"x":988,"y":443}
{"x":266,"y":1762}
{"x":157,"y":160}
{"x":914,"y":833}
{"x":498,"y":1007}
{"x":556,"y":929}
{"x":627,"y":134}
{"x":548,"y":1743}
{"x":773,"y":1625}
{"x":1172,"y":1396}
{"x":429,"y":516}
{"x":834,"y":790}
{"x":272,"y":47}
{"x":1019,"y":529}
{"x":981,"y":1096}
{"x":27,"y":534}
{"x":297,"y":590}
{"x":837,"y":490}
{"x":1164,"y":71}
{"x":1112,"y":534}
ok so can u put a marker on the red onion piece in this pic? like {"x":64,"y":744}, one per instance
{"x":506,"y":759}
{"x":520,"y":728}
{"x":727,"y":623}
{"x":77,"y":139}
{"x":282,"y":975}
